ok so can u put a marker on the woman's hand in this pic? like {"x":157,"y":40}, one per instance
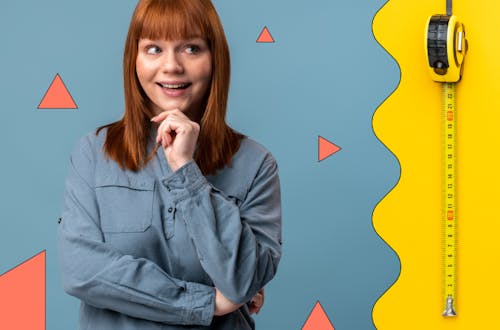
{"x":256,"y":302}
{"x":178,"y":136}
{"x":223,"y":305}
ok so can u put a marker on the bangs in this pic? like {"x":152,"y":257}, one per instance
{"x":173,"y":20}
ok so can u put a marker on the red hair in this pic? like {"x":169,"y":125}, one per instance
{"x":126,"y":139}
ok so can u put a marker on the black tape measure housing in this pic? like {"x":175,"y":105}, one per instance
{"x":437,"y":35}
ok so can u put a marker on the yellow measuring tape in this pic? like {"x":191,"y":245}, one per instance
{"x":446,"y":46}
{"x":449,"y":208}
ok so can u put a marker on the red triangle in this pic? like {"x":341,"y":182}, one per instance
{"x":326,"y":148}
{"x":318,"y":320}
{"x":265,"y":36}
{"x":57,"y":96}
{"x":22,"y":295}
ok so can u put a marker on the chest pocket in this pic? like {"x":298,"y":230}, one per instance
{"x":125,"y":203}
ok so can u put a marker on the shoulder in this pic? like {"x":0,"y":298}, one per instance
{"x":249,"y":163}
{"x":90,"y":143}
{"x":88,"y":152}
{"x":252,"y":153}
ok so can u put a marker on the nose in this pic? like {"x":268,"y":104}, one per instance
{"x":172,"y":63}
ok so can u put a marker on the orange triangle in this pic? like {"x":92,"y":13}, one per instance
{"x":22,"y":295}
{"x":265,"y":36}
{"x":318,"y":320}
{"x":57,"y":96}
{"x":326,"y":148}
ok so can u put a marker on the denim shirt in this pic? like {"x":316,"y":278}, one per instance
{"x":145,"y":250}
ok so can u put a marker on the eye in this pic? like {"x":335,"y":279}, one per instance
{"x":193,"y":49}
{"x":153,"y":50}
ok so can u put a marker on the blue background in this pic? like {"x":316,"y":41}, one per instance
{"x":325,"y":75}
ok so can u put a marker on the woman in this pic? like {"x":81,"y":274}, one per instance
{"x":171,"y":219}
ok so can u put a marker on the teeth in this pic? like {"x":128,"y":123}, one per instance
{"x":173,"y":85}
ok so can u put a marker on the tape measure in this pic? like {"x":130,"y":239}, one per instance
{"x":446,"y":46}
{"x":449,"y":208}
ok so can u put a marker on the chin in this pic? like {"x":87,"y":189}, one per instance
{"x":170,"y":107}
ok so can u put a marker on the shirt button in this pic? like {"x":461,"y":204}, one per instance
{"x":170,"y":209}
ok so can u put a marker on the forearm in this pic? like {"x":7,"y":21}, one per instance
{"x":101,"y":276}
{"x":238,"y":264}
{"x":238,"y":247}
{"x":133,"y":286}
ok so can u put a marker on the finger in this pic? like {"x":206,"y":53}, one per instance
{"x":175,"y":125}
{"x":177,"y":122}
{"x":163,"y":134}
{"x":172,"y":125}
{"x":253,"y":307}
{"x":166,"y":139}
{"x":159,"y":138}
{"x":161,"y":116}
{"x":258,"y":300}
{"x":159,"y":131}
{"x":178,"y":113}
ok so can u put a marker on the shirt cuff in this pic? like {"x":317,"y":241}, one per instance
{"x":186,"y":181}
{"x":201,"y":304}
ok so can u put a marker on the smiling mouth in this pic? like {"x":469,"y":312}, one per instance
{"x":174,"y":86}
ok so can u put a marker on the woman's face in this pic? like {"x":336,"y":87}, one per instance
{"x":175,"y":74}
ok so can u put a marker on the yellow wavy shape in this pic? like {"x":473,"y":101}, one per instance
{"x":409,"y":217}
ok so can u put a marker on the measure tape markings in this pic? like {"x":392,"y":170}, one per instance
{"x":449,"y":195}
